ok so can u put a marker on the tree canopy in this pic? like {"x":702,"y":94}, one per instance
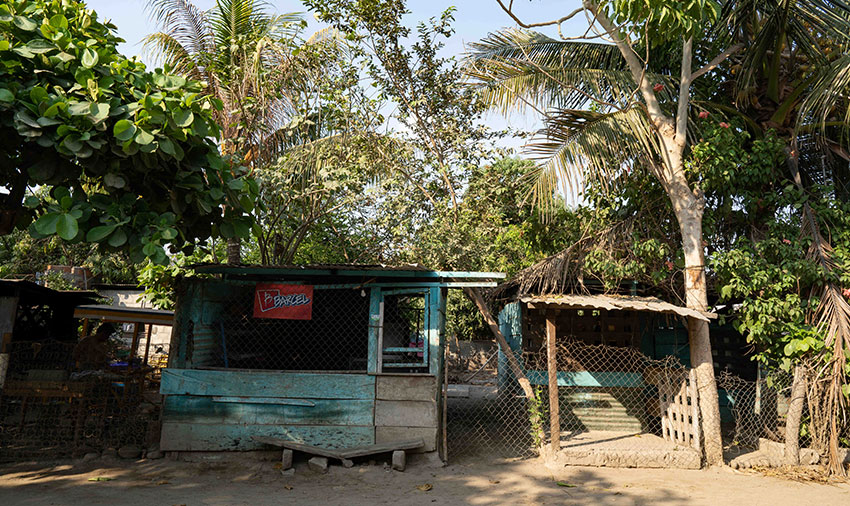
{"x":94,"y":147}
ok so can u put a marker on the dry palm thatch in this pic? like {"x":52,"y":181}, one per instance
{"x":833,"y":317}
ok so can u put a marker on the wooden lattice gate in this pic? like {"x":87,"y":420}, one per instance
{"x":679,"y":403}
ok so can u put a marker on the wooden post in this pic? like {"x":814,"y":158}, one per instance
{"x":476,"y":297}
{"x":85,"y":328}
{"x":552,"y":361}
{"x":148,"y":343}
{"x":135,"y":343}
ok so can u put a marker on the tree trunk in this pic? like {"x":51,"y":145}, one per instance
{"x":795,"y":413}
{"x":689,"y":214}
{"x":234,"y":250}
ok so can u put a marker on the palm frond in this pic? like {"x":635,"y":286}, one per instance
{"x":169,"y":51}
{"x":578,"y":146}
{"x":516,"y":70}
{"x":184,"y":23}
{"x":827,"y":106}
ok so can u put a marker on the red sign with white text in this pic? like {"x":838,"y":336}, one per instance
{"x":287,"y":302}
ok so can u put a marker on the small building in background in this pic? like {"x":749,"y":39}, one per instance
{"x":334,"y":356}
{"x":130,"y":296}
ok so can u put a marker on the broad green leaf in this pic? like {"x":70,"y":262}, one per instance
{"x":79,"y":109}
{"x":226,"y":230}
{"x":47,"y":224}
{"x":149,"y":249}
{"x":143,"y":138}
{"x":46,"y":121}
{"x":183,"y":118}
{"x":6,"y":96}
{"x":26,"y":119}
{"x":53,"y":110}
{"x":23,"y":51}
{"x":242,"y":229}
{"x":25,"y":24}
{"x":31,"y":202}
{"x":72,"y":143}
{"x":38,"y":94}
{"x":59,"y":21}
{"x":40,"y":46}
{"x":174,"y":82}
{"x":124,"y":130}
{"x":167,"y":146}
{"x":67,"y":227}
{"x":97,"y":234}
{"x":4,"y":45}
{"x":118,"y":238}
{"x":99,"y":112}
{"x":114,"y":180}
{"x":89,"y":58}
{"x":169,"y":234}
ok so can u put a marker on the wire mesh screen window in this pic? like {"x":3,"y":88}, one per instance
{"x":334,"y":339}
{"x":402,"y":336}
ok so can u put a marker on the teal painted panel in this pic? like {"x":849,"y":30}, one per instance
{"x":589,"y":379}
{"x":510,"y":325}
{"x":295,"y":385}
{"x":216,"y":437}
{"x":205,"y":410}
{"x":375,"y":299}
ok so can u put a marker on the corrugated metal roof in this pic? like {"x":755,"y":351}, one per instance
{"x":376,"y":270}
{"x":347,"y":267}
{"x":615,"y":303}
{"x":125,"y":314}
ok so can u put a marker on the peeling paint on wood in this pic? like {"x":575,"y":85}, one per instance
{"x":268,"y":384}
{"x":217,"y":437}
{"x":204,"y":410}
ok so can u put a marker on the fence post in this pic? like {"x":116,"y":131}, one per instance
{"x":552,"y":362}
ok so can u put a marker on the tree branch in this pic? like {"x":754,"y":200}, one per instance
{"x":684,"y":91}
{"x":656,"y":115}
{"x":509,"y":10}
{"x":717,"y":61}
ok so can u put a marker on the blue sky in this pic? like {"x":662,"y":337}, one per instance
{"x":474,"y":19}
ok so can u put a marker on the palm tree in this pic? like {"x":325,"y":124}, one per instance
{"x":608,"y":108}
{"x":244,"y":54}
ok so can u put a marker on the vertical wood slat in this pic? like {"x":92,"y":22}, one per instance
{"x":694,"y":393}
{"x":678,"y":399}
{"x":552,"y":360}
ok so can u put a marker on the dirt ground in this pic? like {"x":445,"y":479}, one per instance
{"x":166,"y":482}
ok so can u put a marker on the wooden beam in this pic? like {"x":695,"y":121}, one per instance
{"x":148,"y":343}
{"x":552,"y":361}
{"x":135,"y":342}
{"x":476,"y":297}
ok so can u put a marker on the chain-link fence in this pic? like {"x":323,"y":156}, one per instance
{"x":754,"y":409}
{"x":606,"y":395}
{"x":56,"y":402}
{"x":231,"y":337}
{"x":334,"y":338}
{"x":759,"y":412}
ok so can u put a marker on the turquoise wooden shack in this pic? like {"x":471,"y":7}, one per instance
{"x":608,"y":391}
{"x":333,"y":356}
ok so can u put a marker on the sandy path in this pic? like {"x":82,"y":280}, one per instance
{"x":478,"y":483}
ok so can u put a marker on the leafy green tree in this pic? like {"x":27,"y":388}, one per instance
{"x":244,"y":53}
{"x":121,"y":156}
{"x":23,"y":256}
